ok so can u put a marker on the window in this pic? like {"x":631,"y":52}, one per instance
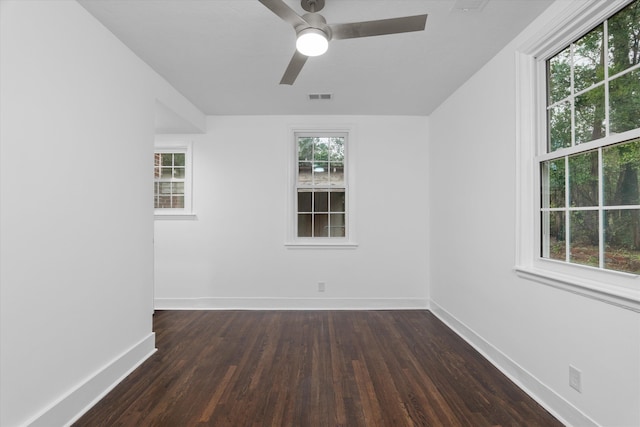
{"x":590,"y":169}
{"x":172,"y":180}
{"x":320,"y":206}
{"x":578,"y":151}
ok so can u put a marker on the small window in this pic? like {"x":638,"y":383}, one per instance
{"x":320,"y":186}
{"x":320,"y":205}
{"x":172,"y":179}
{"x":590,"y":170}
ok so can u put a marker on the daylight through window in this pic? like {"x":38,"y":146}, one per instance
{"x":590,"y":187}
{"x":321,"y":187}
{"x":169,"y":175}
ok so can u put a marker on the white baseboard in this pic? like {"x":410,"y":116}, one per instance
{"x":291,"y":304}
{"x":546,"y":397}
{"x":73,"y":405}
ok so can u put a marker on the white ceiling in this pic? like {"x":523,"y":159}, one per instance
{"x":227,"y":56}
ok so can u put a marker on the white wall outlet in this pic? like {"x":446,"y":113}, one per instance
{"x":575,"y":378}
{"x":321,"y":286}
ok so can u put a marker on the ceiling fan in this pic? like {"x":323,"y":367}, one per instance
{"x":313,"y":33}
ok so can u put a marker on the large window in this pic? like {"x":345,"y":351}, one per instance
{"x":321,"y":185}
{"x":578,"y":150}
{"x":589,"y":165}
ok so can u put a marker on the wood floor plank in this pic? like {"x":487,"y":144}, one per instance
{"x":313,"y":368}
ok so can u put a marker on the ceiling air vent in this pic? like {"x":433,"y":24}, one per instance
{"x":319,"y":96}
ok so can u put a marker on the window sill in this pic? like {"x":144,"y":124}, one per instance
{"x":628,"y":299}
{"x":175,"y":216}
{"x":321,"y":245}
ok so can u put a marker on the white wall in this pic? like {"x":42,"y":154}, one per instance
{"x":233,"y":255}
{"x":531,"y":331}
{"x":76,"y":215}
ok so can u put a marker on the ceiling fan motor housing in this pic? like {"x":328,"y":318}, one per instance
{"x":317,"y":21}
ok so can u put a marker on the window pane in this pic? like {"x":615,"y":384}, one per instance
{"x":321,"y":149}
{"x":165,"y":187}
{"x":583,"y":179}
{"x":167,"y":159}
{"x":621,"y":171}
{"x":554,"y":235}
{"x":304,"y":225}
{"x":590,"y":115}
{"x":178,"y":159}
{"x":559,"y":76}
{"x":321,"y":201}
{"x":305,"y":176}
{"x":156,"y":191}
{"x":559,"y":126}
{"x":164,"y":202}
{"x":588,"y":59}
{"x":336,"y":174}
{"x":304,"y":201}
{"x":624,"y":102}
{"x":167,"y":173}
{"x":336,"y":149}
{"x":321,"y":225}
{"x":177,"y":202}
{"x":321,"y":173}
{"x":177,"y":188}
{"x":337,"y":202}
{"x":553,"y":190}
{"x":305,"y":149}
{"x":622,"y":240}
{"x":337,"y":228}
{"x":584,"y":244}
{"x":178,"y":173}
{"x":624,"y":35}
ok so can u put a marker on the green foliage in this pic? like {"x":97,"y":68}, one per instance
{"x":587,"y":57}
{"x":321,"y":149}
{"x":575,"y":86}
{"x":624,"y":38}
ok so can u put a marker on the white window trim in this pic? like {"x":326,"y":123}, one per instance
{"x":619,"y":289}
{"x":292,"y":240}
{"x":179,"y":214}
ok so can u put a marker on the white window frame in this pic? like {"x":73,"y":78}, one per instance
{"x":187,"y":213}
{"x":617,"y":288}
{"x":292,"y":240}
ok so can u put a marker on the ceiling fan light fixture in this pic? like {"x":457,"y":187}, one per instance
{"x":312,"y":42}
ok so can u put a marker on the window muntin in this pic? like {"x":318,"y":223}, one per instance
{"x":321,"y":185}
{"x":590,"y":207}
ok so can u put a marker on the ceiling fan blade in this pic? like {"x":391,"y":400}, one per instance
{"x":292,"y":71}
{"x":378,"y":28}
{"x":287,"y":14}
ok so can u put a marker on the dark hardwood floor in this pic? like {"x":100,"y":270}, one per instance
{"x":313,"y":368}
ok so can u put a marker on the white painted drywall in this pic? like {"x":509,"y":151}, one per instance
{"x":76,"y":216}
{"x":234,"y":255}
{"x":541,"y":330}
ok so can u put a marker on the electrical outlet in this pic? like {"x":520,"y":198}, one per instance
{"x":575,"y":378}
{"x":321,"y":286}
